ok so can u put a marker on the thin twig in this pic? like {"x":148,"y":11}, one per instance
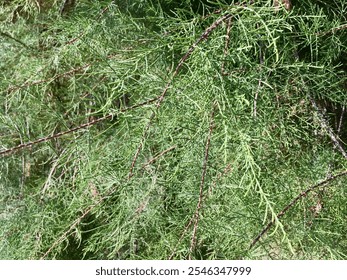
{"x":144,"y":135}
{"x":226,"y":46}
{"x":325,"y":125}
{"x":158,"y":156}
{"x":4,"y":34}
{"x":261,"y":63}
{"x":60,"y":134}
{"x":293,"y":202}
{"x":202,"y":182}
{"x":182,"y":236}
{"x":341,"y":120}
{"x":47,"y":138}
{"x":49,"y":177}
{"x":333,"y":30}
{"x":204,"y":36}
{"x":226,"y":170}
{"x":256,"y":99}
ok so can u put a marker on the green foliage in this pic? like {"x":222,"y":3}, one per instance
{"x":127,"y":187}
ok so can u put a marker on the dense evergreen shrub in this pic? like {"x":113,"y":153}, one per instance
{"x":172,"y":129}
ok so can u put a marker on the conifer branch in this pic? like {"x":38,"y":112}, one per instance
{"x":333,"y":30}
{"x":201,"y":196}
{"x":79,"y":36}
{"x":226,"y":170}
{"x":202,"y":183}
{"x":226,"y":46}
{"x":158,"y":156}
{"x":99,"y":200}
{"x":84,"y":125}
{"x":66,"y":233}
{"x":204,"y":36}
{"x":293,"y":202}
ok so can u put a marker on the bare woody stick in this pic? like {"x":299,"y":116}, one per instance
{"x":293,"y":202}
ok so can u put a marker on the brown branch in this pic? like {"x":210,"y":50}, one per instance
{"x":158,"y":156}
{"x":4,"y":34}
{"x":202,"y":182}
{"x":60,"y":134}
{"x":226,"y":170}
{"x":182,"y":235}
{"x":333,"y":30}
{"x":293,"y":202}
{"x":47,"y":138}
{"x":204,"y":36}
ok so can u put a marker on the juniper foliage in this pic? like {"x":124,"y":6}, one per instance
{"x":169,"y":133}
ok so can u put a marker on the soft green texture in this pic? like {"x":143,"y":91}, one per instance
{"x":50,"y":84}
